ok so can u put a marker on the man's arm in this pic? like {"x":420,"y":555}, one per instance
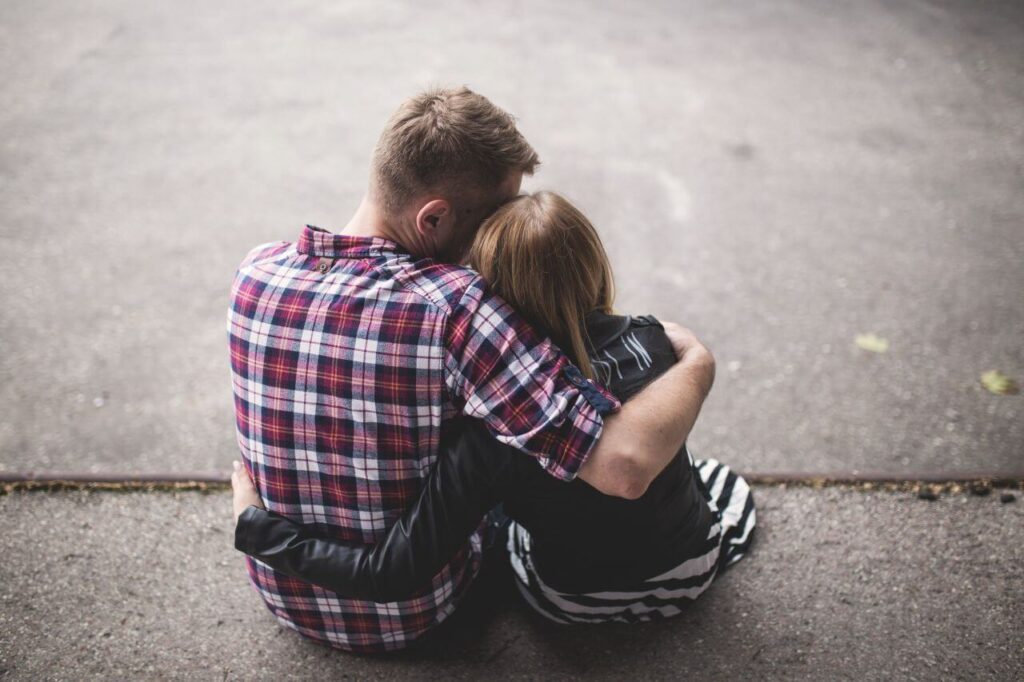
{"x":531,"y":397}
{"x":639,"y":441}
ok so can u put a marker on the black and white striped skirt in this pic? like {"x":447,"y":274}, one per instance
{"x":662,"y":596}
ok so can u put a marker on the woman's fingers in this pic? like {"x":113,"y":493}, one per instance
{"x":236,"y":477}
{"x":240,"y":477}
{"x":243,"y":490}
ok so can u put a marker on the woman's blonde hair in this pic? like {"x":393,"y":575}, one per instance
{"x":543,"y":256}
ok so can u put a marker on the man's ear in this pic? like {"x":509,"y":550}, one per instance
{"x":434,"y":220}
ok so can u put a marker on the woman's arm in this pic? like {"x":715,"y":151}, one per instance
{"x":469,"y":479}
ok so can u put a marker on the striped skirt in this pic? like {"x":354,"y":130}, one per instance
{"x":662,"y":596}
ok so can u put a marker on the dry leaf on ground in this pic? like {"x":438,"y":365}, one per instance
{"x":871,"y":342}
{"x":998,"y":383}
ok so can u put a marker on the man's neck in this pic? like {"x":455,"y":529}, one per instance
{"x":370,"y":221}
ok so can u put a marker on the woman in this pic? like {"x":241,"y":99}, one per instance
{"x":578,"y":556}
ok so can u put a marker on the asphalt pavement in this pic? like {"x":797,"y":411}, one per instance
{"x":780,"y":176}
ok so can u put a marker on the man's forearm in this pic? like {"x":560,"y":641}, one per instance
{"x":641,"y":439}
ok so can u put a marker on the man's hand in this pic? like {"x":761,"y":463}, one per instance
{"x":690,"y":350}
{"x":245,"y":493}
{"x":683,"y":340}
{"x":646,"y":434}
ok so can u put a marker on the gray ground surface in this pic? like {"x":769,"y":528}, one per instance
{"x":778,"y":175}
{"x":841,"y":585}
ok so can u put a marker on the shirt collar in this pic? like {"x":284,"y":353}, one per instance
{"x":316,"y":241}
{"x":603,"y":328}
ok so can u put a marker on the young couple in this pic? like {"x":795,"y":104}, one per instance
{"x":446,"y":368}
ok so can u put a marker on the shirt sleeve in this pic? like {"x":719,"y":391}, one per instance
{"x":520,"y":384}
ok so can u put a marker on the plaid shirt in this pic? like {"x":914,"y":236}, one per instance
{"x":347,"y":354}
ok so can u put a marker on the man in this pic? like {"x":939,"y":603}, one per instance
{"x":349,"y":350}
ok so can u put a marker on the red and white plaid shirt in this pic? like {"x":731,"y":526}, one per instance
{"x":347,"y":354}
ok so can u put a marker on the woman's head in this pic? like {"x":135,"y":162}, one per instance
{"x":544,"y":257}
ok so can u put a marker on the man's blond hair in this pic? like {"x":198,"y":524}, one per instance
{"x":451,"y":141}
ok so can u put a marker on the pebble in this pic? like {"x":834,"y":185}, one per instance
{"x":927,"y":494}
{"x":980,"y":489}
{"x":1006,"y":498}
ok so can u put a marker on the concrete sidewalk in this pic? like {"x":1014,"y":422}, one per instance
{"x":841,"y":584}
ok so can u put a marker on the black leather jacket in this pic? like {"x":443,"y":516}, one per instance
{"x":583,"y":541}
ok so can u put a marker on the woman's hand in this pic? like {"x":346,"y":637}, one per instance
{"x":245,"y":493}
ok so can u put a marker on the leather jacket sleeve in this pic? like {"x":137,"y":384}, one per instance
{"x":469,"y":478}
